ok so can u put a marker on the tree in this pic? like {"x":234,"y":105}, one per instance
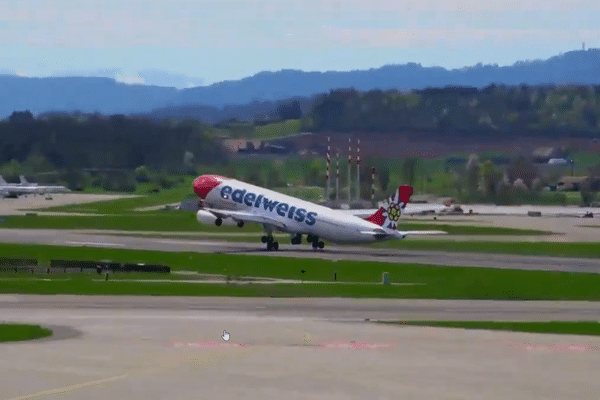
{"x":491,"y":178}
{"x":473,"y":174}
{"x":409,"y":170}
{"x":289,"y":111}
{"x":274,"y":174}
{"x":522,"y":168}
{"x":37,"y":162}
{"x":142,"y":174}
{"x":383,"y":175}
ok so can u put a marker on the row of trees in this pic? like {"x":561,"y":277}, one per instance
{"x":115,"y":142}
{"x":519,"y":183}
{"x":103,"y":152}
{"x":492,"y":111}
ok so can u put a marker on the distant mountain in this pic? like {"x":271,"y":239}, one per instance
{"x":106,"y":96}
{"x":241,"y":112}
{"x":85,"y":94}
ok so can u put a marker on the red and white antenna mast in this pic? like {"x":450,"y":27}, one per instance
{"x":349,"y":165}
{"x":358,"y":170}
{"x":337,"y":177}
{"x":328,"y":166}
{"x":373,"y":185}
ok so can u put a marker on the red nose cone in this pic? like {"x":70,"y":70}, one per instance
{"x":205,"y":183}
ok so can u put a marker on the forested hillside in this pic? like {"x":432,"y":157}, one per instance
{"x":492,"y":112}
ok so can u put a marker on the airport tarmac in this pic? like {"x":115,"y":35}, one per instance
{"x":109,"y":347}
{"x":74,"y":238}
{"x":24,"y":204}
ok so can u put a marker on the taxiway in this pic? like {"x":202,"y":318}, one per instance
{"x":164,"y":348}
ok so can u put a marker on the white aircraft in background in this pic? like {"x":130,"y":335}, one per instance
{"x":16,"y":189}
{"x":44,"y":188}
{"x":224,"y":198}
{"x":25,"y":187}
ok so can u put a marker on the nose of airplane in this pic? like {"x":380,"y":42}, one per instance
{"x":205,"y":183}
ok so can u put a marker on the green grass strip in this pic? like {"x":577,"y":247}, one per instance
{"x":353,"y":278}
{"x":560,"y":327}
{"x":19,"y":332}
{"x":554,"y":249}
{"x":124,"y":205}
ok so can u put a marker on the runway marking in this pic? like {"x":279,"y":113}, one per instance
{"x":237,"y":316}
{"x":70,"y":388}
{"x":98,"y":244}
{"x":191,"y":241}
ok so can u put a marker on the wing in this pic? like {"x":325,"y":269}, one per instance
{"x":246,"y":217}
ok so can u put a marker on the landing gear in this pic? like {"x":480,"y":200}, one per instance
{"x":297,"y":239}
{"x":240,"y":224}
{"x":218,"y":221}
{"x":271,"y":244}
{"x":316,"y":243}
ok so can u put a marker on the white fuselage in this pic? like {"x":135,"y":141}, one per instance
{"x":298,"y":215}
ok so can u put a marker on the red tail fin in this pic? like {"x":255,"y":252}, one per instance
{"x":388,"y":217}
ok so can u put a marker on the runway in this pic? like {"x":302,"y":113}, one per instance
{"x":338,"y":309}
{"x":358,"y":253}
{"x":165,"y":348}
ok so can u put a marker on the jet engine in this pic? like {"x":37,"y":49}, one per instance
{"x":208,"y":218}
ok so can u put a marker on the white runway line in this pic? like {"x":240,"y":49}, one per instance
{"x":192,"y":241}
{"x":97,"y":244}
{"x":68,"y":389}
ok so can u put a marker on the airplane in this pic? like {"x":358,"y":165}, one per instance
{"x":25,"y":183}
{"x":224,"y":198}
{"x":25,"y":187}
{"x":15,"y":189}
{"x":44,"y":188}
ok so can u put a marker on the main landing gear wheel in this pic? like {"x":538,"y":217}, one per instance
{"x":240,"y":224}
{"x":318,"y":244}
{"x":272,"y":246}
{"x":297,"y":239}
{"x":218,"y":221}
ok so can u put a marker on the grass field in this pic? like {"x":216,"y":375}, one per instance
{"x":570,"y":249}
{"x":561,"y":327}
{"x":18,"y":332}
{"x":120,"y":206}
{"x":277,"y":129}
{"x":354,"y":278}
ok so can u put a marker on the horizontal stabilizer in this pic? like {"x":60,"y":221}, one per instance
{"x":422,"y":233}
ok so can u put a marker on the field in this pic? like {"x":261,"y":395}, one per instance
{"x":127,"y":205}
{"x":277,"y":130}
{"x":19,"y":332}
{"x":352,"y":278}
{"x":561,"y":327}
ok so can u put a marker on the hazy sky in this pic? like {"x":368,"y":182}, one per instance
{"x":186,"y":43}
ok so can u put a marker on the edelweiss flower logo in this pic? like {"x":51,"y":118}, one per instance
{"x":394,"y":212}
